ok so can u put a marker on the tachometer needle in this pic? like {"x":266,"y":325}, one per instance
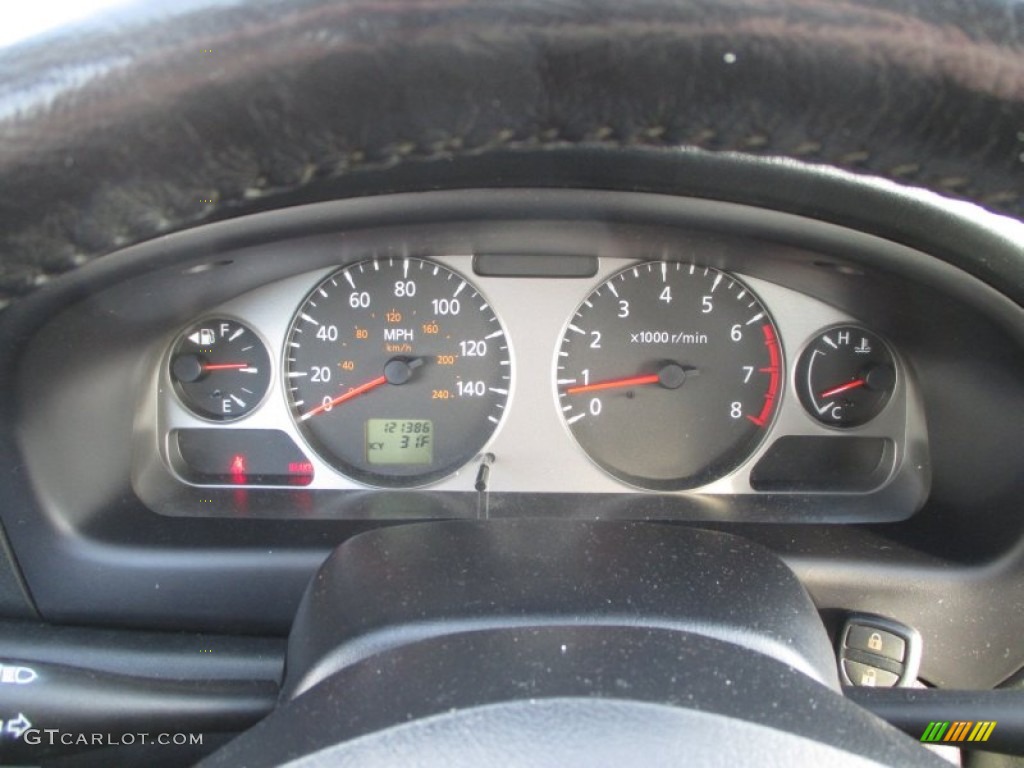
{"x":354,"y":392}
{"x":632,"y":381}
{"x":843,"y":388}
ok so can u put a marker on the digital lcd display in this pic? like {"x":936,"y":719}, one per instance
{"x":399,"y":441}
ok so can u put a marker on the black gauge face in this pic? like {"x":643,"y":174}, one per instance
{"x":397,"y":371}
{"x":220,"y":369}
{"x":846,"y":376}
{"x":668,"y":375}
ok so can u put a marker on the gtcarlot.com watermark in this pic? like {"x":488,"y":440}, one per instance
{"x":51,"y":737}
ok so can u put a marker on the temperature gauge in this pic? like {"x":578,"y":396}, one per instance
{"x":220,"y":369}
{"x":846,"y":376}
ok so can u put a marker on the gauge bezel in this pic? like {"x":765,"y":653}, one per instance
{"x":382,"y":480}
{"x":890,"y":396}
{"x":176,"y":385}
{"x":647,"y":485}
{"x":540,"y":458}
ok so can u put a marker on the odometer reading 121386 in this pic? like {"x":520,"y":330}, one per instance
{"x":397,"y":371}
{"x":668,"y":375}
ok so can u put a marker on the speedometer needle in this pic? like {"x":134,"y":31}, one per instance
{"x":843,"y":388}
{"x":224,"y":367}
{"x":354,"y":392}
{"x":398,"y":370}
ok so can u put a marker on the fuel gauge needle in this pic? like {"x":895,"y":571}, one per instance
{"x":354,"y":392}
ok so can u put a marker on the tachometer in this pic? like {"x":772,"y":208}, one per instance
{"x":397,"y":371}
{"x":668,"y":375}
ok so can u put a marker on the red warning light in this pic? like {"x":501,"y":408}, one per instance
{"x":238,"y":469}
{"x":301,"y":472}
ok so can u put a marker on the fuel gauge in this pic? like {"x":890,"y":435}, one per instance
{"x":846,"y":376}
{"x":220,"y":369}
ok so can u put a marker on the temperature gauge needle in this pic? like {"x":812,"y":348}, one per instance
{"x":355,"y":392}
{"x":843,"y":388}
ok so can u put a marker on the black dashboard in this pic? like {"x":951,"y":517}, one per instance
{"x":133,"y":502}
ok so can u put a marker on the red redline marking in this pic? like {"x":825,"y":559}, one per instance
{"x":769,"y":401}
{"x":633,"y":381}
{"x":347,"y":396}
{"x":773,"y":380}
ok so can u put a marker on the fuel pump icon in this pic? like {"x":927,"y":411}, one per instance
{"x":204,"y":337}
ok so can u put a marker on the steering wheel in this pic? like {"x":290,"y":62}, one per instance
{"x":152,"y":119}
{"x":875,"y":115}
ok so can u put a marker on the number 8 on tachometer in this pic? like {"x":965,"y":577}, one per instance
{"x":668,"y":375}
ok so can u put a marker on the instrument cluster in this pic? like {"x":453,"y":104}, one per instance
{"x":444,"y":373}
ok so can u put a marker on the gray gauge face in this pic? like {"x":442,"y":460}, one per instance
{"x":397,"y":371}
{"x":846,"y":376}
{"x":220,"y":369}
{"x":668,"y":375}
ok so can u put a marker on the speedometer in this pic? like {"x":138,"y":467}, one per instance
{"x":397,"y":371}
{"x":668,"y":375}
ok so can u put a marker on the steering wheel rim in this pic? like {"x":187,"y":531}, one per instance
{"x":143,"y":122}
